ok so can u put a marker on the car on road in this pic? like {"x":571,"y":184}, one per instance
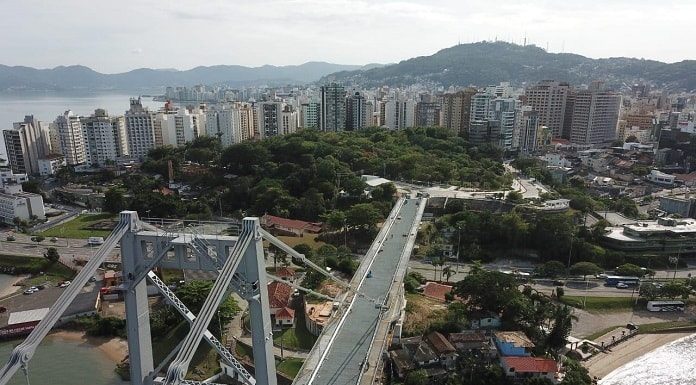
{"x":31,"y":290}
{"x":558,"y":283}
{"x":399,"y":217}
{"x":621,"y":285}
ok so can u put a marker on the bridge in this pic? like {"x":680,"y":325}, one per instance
{"x":369,"y":306}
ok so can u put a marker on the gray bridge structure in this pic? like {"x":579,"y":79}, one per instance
{"x":239,"y":264}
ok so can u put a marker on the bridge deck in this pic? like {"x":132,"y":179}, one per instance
{"x":345,"y":358}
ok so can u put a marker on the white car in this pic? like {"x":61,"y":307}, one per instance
{"x":65,"y":284}
{"x":621,"y":285}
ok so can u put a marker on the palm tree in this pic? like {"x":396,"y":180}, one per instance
{"x":447,"y":271}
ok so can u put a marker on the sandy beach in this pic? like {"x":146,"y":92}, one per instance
{"x":604,"y":363}
{"x":115,"y":349}
{"x":11,"y":288}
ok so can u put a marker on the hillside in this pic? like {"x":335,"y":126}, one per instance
{"x":83,"y":78}
{"x":486,"y":63}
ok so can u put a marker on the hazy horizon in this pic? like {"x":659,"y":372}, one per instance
{"x":189,"y":34}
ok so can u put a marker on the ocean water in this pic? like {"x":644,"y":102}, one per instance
{"x":672,"y":364}
{"x":46,"y":107}
{"x":59,"y":362}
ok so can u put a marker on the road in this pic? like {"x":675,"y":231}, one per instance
{"x":68,"y":249}
{"x":342,"y":363}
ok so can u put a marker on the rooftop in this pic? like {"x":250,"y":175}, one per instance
{"x":530,"y":364}
{"x":279,"y":294}
{"x":515,"y":338}
{"x":436,"y":290}
{"x":319,"y":312}
{"x":270,"y":220}
{"x":440,"y":343}
{"x":21,"y":317}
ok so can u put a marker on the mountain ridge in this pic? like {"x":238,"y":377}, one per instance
{"x":76,"y":77}
{"x":485,"y":63}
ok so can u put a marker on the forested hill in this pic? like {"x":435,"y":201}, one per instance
{"x":486,"y":63}
{"x":309,"y":174}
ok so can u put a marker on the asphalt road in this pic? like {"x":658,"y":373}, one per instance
{"x":346,"y":355}
{"x":68,"y":249}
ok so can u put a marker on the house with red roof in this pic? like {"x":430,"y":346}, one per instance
{"x":293,"y":227}
{"x":279,"y":302}
{"x":286,"y":273}
{"x":436,"y":291}
{"x":521,"y":368}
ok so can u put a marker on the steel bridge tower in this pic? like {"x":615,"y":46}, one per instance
{"x":240,"y":267}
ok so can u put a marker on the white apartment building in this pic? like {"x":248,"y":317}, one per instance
{"x":70,"y":138}
{"x":51,"y":165}
{"x":140,"y":129}
{"x":288,"y":120}
{"x":105,"y":138}
{"x":15,"y":203}
{"x":9,"y":177}
{"x":399,"y":114}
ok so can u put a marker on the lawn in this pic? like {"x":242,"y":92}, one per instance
{"x":172,"y":275}
{"x":83,"y":227}
{"x":665,"y":326}
{"x":309,"y":239}
{"x":21,"y":264}
{"x":290,"y":366}
{"x":599,"y":303}
{"x":297,"y":337}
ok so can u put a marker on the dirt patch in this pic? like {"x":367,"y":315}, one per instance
{"x":421,"y":312}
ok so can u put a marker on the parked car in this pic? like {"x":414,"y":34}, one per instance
{"x":621,"y":285}
{"x":65,"y":284}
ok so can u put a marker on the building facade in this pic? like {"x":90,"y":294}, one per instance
{"x":333,"y":108}
{"x":456,"y":110}
{"x":105,"y":138}
{"x":549,"y":99}
{"x":140,"y":129}
{"x":71,"y":142}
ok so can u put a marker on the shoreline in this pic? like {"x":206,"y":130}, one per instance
{"x":602,"y":364}
{"x":12,"y":287}
{"x":115,"y":349}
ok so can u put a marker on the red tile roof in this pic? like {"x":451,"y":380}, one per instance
{"x":270,"y":221}
{"x":530,"y":364}
{"x":436,"y":290}
{"x":284,"y":272}
{"x":439,"y":343}
{"x":279,"y":295}
{"x":285,"y":313}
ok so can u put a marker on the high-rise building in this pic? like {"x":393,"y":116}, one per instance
{"x":399,"y":114}
{"x":503,"y":110}
{"x":549,"y":98}
{"x":484,"y":131}
{"x":179,"y":127}
{"x":140,"y":129}
{"x":595,"y":116}
{"x":333,"y":108}
{"x":71,"y":142}
{"x":269,"y":114}
{"x":309,"y":115}
{"x":428,"y":114}
{"x":456,"y":110}
{"x":526,"y":129}
{"x":356,"y":112}
{"x":105,"y":138}
{"x":20,"y":147}
{"x":288,"y":120}
{"x":481,"y":106}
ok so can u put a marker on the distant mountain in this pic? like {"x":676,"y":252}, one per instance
{"x":83,"y":78}
{"x":487,"y":63}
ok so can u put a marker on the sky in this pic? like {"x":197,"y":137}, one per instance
{"x":117,"y":36}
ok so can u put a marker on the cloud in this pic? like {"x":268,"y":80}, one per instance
{"x":137,"y":51}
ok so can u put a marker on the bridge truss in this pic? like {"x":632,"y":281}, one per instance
{"x":240,"y":267}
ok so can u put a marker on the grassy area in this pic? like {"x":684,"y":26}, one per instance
{"x":309,"y":239}
{"x":666,"y":326}
{"x":290,"y":366}
{"x":42,"y":269}
{"x":172,"y":275}
{"x":599,"y":303}
{"x":602,"y":332}
{"x":421,"y":312}
{"x":298,"y":337}
{"x":243,"y":351}
{"x":81,"y":227}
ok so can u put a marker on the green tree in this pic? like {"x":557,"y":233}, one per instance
{"x":537,"y":381}
{"x":630,"y":270}
{"x":675,"y":289}
{"x":447,"y":271}
{"x":114,"y":200}
{"x":31,"y":186}
{"x":193,"y":295}
{"x":575,"y":374}
{"x":514,"y":197}
{"x":585,"y":269}
{"x":52,"y":255}
{"x":649,"y":291}
{"x":551,"y":269}
{"x":363,"y":215}
{"x":38,"y":238}
{"x":417,"y":377}
{"x":335,"y":219}
{"x":562,"y":326}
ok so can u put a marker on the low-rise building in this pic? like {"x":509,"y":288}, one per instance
{"x":290,"y":226}
{"x":664,"y":236}
{"x":14,"y":203}
{"x":436,"y":291}
{"x":279,"y":299}
{"x":484,"y":320}
{"x":470,"y":341}
{"x":317,"y":315}
{"x":684,"y":206}
{"x":522,"y":368}
{"x":445,"y":351}
{"x":515,"y":344}
{"x":51,"y":165}
{"x":660,"y":178}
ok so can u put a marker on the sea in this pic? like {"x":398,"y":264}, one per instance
{"x":672,"y":364}
{"x":46,"y":107}
{"x":61,"y":362}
